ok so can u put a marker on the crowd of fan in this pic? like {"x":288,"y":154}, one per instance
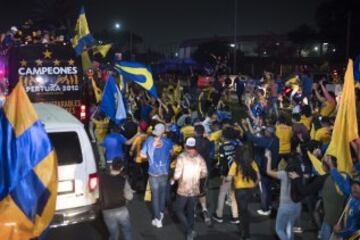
{"x":191,"y":138}
{"x":30,"y":33}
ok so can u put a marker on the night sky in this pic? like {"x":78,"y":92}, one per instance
{"x":163,"y":22}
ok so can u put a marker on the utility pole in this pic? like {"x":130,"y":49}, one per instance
{"x":235,"y":35}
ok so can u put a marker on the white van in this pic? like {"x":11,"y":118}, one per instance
{"x":78,"y":188}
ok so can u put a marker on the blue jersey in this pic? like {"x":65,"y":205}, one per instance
{"x":114,"y":146}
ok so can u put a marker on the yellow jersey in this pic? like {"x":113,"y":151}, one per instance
{"x":306,"y":121}
{"x":101,"y":128}
{"x":239,"y":181}
{"x":327,"y":109}
{"x":284,"y":133}
{"x":215,"y":136}
{"x":323,"y":135}
{"x":187,"y":131}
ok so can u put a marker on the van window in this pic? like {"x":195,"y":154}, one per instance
{"x":67,"y":146}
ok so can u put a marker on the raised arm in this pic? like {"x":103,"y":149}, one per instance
{"x":269,"y":169}
{"x":327,"y":96}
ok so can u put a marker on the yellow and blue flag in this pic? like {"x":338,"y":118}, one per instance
{"x":138,"y":73}
{"x":82,"y":36}
{"x":103,"y":49}
{"x":28,"y":170}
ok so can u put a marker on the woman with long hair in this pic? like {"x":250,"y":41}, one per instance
{"x":288,"y":211}
{"x":245,"y":175}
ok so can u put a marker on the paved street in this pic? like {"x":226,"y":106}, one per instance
{"x":261,"y":227}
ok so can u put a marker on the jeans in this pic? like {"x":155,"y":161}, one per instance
{"x":115,"y":219}
{"x":224,"y":189}
{"x":243,"y":196}
{"x":100,"y":150}
{"x":158,"y":185}
{"x":274,"y":111}
{"x":285,"y":219}
{"x":265,"y":192}
{"x":185,"y":210}
{"x":325,"y":231}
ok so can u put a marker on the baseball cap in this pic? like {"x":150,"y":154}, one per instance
{"x":190,"y":142}
{"x":159,"y":129}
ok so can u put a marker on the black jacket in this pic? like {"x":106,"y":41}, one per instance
{"x":299,"y":190}
{"x":203,"y":146}
{"x":112,"y":191}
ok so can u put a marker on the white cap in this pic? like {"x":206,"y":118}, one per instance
{"x":159,"y":129}
{"x":14,"y":29}
{"x":190,"y":142}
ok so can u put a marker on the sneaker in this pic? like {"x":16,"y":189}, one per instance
{"x":207,"y":219}
{"x":264,"y":213}
{"x":217,"y":219}
{"x":297,"y":230}
{"x":234,"y":220}
{"x":156,"y":223}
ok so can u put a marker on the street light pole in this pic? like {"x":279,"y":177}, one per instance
{"x":235,"y":35}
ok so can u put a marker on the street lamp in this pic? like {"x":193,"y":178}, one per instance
{"x":117,"y":26}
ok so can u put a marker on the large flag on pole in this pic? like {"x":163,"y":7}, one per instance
{"x":346,"y":127}
{"x":138,"y":73}
{"x":82,"y":36}
{"x":28,"y":170}
{"x":112,"y":103}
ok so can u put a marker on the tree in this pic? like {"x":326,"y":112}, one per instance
{"x":206,"y":51}
{"x":333,"y":19}
{"x":303,"y":35}
{"x":54,"y":12}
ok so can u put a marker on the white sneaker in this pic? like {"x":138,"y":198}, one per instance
{"x":297,"y":230}
{"x":156,"y":223}
{"x":264,"y":213}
